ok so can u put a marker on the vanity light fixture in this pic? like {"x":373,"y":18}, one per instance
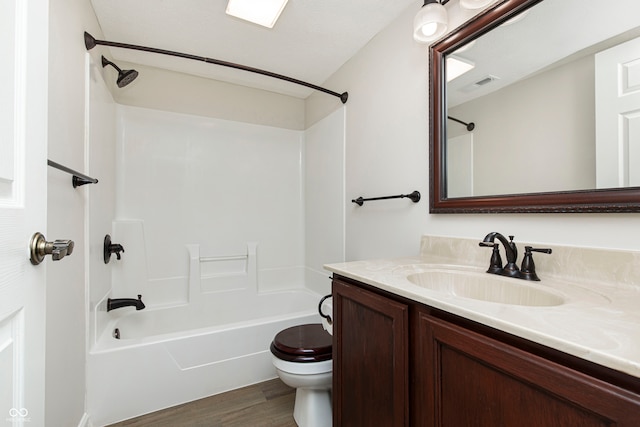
{"x":261,"y":12}
{"x":457,"y":66}
{"x":431,"y":21}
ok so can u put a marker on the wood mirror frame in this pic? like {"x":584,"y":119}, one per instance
{"x":599,"y":200}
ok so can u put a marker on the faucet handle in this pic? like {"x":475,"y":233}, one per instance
{"x":513,"y":247}
{"x":116,"y":249}
{"x":543,"y":250}
{"x":495,"y":264}
{"x":528,"y":268}
{"x":111,"y":248}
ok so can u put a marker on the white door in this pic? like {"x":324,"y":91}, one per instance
{"x":23,"y":184}
{"x":618,"y":116}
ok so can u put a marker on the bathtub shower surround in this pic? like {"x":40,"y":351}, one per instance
{"x":216,"y":183}
{"x":218,"y":219}
{"x":183,"y":180}
{"x":216,"y":340}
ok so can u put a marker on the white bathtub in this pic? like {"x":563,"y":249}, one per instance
{"x":169,"y":356}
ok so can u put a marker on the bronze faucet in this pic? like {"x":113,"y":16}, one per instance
{"x":528,"y":271}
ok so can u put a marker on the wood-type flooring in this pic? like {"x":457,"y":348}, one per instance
{"x":267,"y":404}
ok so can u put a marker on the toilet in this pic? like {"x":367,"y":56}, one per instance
{"x":302,"y":358}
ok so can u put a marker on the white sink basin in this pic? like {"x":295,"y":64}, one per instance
{"x":485,"y":287}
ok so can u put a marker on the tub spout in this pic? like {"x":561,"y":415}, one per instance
{"x":113,"y":303}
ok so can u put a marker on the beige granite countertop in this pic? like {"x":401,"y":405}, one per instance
{"x":599,"y":320}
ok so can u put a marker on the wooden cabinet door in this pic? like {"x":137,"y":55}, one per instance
{"x":467,"y":379}
{"x":370,"y":368}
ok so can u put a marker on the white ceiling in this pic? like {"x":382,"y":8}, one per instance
{"x":549,"y":33}
{"x":311,"y":40}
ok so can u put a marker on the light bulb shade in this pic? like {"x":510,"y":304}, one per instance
{"x":474,"y":4}
{"x":430,"y":22}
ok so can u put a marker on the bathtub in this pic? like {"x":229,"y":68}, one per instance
{"x":165,"y":357}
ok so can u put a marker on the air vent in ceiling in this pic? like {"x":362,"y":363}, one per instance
{"x":480,"y":83}
{"x":485,"y":80}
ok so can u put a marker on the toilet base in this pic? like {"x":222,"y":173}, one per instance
{"x":312,"y":408}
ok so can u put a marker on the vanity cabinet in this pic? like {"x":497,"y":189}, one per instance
{"x":461,"y":373}
{"x":468,"y":379}
{"x":370,"y":353}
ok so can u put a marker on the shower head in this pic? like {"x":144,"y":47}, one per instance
{"x":124,"y":76}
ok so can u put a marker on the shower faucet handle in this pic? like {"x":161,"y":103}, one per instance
{"x":116,"y":249}
{"x":111,"y":248}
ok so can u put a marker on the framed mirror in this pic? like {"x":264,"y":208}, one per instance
{"x":546,"y":117}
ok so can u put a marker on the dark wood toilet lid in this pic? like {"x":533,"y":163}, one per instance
{"x":303,"y":343}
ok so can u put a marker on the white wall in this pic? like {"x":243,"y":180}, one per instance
{"x":387,"y":134}
{"x":324,"y":198}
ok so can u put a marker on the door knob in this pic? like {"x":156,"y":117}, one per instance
{"x":39,"y":248}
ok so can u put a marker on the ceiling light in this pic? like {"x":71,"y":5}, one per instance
{"x":430,"y":22}
{"x":457,"y":66}
{"x":261,"y":12}
{"x":474,"y":4}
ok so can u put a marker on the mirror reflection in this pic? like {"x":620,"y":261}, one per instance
{"x":554,"y":99}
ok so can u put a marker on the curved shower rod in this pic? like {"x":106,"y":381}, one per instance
{"x":90,"y":42}
{"x":470,"y":126}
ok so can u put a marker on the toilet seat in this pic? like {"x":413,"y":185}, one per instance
{"x":302,"y":344}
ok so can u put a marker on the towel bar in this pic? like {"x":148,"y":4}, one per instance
{"x":415,"y":198}
{"x":78,"y":178}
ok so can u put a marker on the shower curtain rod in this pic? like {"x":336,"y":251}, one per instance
{"x":470,"y":126}
{"x":90,"y":42}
